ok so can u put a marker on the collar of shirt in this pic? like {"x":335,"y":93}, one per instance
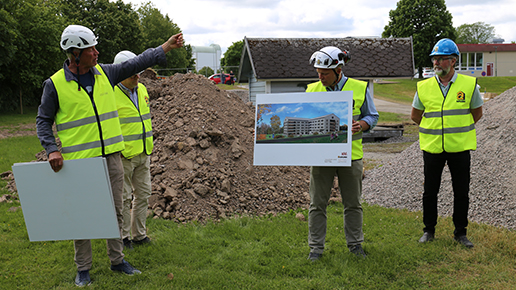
{"x":128,"y":90}
{"x":69,"y":76}
{"x":339,"y":85}
{"x":453,"y":79}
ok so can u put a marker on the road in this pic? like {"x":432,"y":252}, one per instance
{"x":386,"y":106}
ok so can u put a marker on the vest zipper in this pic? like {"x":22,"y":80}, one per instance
{"x":98,"y":121}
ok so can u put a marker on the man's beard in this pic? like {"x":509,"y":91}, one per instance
{"x":441,"y":71}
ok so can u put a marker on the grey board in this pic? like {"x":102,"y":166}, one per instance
{"x":75,"y":203}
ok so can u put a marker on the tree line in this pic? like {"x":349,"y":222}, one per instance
{"x":31,"y":31}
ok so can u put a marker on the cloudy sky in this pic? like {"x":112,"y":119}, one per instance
{"x":223,"y":22}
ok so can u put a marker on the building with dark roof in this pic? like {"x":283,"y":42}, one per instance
{"x":281,"y":65}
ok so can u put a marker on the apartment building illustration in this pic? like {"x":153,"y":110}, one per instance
{"x":308,"y":126}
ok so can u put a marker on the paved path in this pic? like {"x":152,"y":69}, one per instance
{"x":386,"y":106}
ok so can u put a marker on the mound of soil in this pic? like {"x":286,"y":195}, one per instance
{"x":202,"y":163}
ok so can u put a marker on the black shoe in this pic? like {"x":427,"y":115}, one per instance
{"x":145,"y":240}
{"x":357,"y":250}
{"x":427,"y":237}
{"x":464,"y":241}
{"x":314,"y":256}
{"x":125,"y":268}
{"x":128,"y":244}
{"x":83,"y":278}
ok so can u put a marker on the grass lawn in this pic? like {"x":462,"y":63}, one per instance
{"x":403,"y":90}
{"x":271,"y":253}
{"x":264,"y":253}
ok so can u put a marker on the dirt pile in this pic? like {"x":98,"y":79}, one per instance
{"x":202,"y":163}
{"x":399,"y":182}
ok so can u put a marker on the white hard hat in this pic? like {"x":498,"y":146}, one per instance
{"x":77,"y":36}
{"x":123,"y":56}
{"x":329,"y":57}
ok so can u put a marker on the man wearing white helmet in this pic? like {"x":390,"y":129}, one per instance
{"x":329,"y":62}
{"x":132,"y":100}
{"x":446,"y":108}
{"x":80,"y":99}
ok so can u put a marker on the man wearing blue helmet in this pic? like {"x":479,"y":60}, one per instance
{"x":446,"y":108}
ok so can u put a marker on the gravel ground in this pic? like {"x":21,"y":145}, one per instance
{"x":399,"y":182}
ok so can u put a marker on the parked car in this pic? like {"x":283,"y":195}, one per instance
{"x":428,"y":72}
{"x":227,"y":79}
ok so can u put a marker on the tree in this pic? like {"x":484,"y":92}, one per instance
{"x":29,"y":45}
{"x":261,"y":110}
{"x":157,"y":28}
{"x":116,"y":25}
{"x":206,"y":71}
{"x":232,"y":56}
{"x":275,"y":123}
{"x":478,"y":32}
{"x":427,"y":21}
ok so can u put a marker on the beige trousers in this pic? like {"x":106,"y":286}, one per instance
{"x":137,"y":190}
{"x":83,"y":252}
{"x":350,"y":186}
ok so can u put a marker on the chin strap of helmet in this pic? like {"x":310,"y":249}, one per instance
{"x":336,"y":79}
{"x":77,"y":63}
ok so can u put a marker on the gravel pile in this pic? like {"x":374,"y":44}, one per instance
{"x":399,"y":182}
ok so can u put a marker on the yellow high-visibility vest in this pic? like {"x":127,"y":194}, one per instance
{"x":87,"y":126}
{"x":135,"y":122}
{"x":447,"y":124}
{"x":359,"y":89}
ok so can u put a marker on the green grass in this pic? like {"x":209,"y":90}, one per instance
{"x":11,"y":153}
{"x":403,"y":90}
{"x":15,"y":118}
{"x":496,"y":85}
{"x":271,"y":253}
{"x":263,"y":253}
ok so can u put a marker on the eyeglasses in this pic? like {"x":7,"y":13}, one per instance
{"x":440,"y":59}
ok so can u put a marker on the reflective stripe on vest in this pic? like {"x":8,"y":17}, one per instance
{"x":447,"y":124}
{"x":359,"y":89}
{"x":87,"y":126}
{"x":136,"y":123}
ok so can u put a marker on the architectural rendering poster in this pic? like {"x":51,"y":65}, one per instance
{"x":303,"y":129}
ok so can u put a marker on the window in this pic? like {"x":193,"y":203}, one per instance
{"x":471,"y":61}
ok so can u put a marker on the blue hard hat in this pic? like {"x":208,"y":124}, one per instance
{"x":445,"y":46}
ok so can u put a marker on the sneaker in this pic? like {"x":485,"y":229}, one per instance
{"x":464,"y":241}
{"x":314,"y":256}
{"x":427,"y":237}
{"x":83,"y":278}
{"x":145,"y":240}
{"x":128,"y":244}
{"x":125,"y":268}
{"x":357,"y":250}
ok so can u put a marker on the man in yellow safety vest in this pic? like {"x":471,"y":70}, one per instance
{"x":80,"y":99}
{"x":446,"y":108}
{"x":132,"y":100}
{"x":329,"y":62}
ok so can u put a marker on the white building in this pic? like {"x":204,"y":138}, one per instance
{"x":207,"y":56}
{"x":304,"y":126}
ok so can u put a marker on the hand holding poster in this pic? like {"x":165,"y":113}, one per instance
{"x":304,"y":129}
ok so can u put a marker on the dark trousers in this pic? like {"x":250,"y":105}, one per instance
{"x":459,"y":165}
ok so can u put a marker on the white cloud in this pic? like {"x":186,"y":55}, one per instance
{"x":224,"y":22}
